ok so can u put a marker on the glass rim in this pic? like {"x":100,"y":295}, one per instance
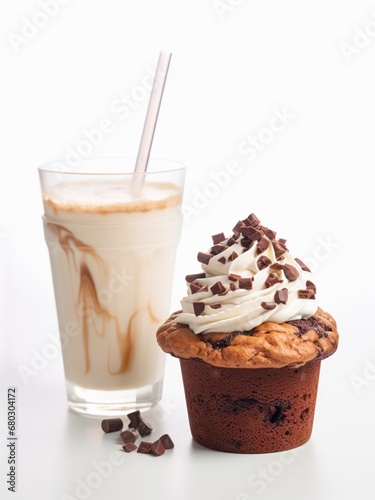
{"x":47,"y":167}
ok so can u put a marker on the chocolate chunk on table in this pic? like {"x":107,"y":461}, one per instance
{"x":144,"y":447}
{"x":135,"y":419}
{"x":144,"y":429}
{"x":157,"y":448}
{"x":112,"y":425}
{"x":167,"y":441}
{"x":129,"y":447}
{"x":129,"y":435}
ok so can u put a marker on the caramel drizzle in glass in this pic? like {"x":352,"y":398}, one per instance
{"x":88,"y":302}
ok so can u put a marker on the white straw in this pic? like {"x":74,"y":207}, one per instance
{"x":150,"y":122}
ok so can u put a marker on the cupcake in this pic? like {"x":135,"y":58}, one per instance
{"x":250,"y":339}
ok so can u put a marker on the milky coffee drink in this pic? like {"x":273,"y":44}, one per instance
{"x":112,"y":259}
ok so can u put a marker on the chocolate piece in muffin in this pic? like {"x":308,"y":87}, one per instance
{"x":269,"y":345}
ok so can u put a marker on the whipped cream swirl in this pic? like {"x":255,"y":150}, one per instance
{"x":247,"y":279}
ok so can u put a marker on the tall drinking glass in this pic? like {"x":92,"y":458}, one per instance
{"x":112,"y":256}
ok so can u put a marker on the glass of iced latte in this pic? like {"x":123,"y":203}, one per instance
{"x":112,"y":249}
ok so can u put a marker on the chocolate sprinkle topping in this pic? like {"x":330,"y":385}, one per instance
{"x":231,"y":241}
{"x":281,"y":296}
{"x":303,"y":265}
{"x":263,"y":244}
{"x":271,"y":234}
{"x":290,"y":272}
{"x":245,"y":242}
{"x":217,"y":288}
{"x":278,"y":249}
{"x":232,"y":256}
{"x":310,"y":286}
{"x":192,"y":277}
{"x":263,"y":262}
{"x":198,"y":308}
{"x":234,"y":277}
{"x":218,"y":248}
{"x":306,"y":294}
{"x":268,"y":306}
{"x":272,"y":279}
{"x":237,"y":228}
{"x":245,"y":283}
{"x":277,"y":266}
{"x":251,"y":232}
{"x":194,"y":287}
{"x":282,"y":242}
{"x":217,"y":238}
{"x":204,"y":258}
{"x":253,"y":219}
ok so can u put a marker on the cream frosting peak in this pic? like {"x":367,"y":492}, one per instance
{"x":248,"y":279}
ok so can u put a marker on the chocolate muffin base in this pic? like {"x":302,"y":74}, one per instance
{"x":241,"y":410}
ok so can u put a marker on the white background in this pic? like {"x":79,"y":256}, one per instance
{"x":235,"y":66}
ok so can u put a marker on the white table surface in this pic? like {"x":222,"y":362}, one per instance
{"x":58,"y":450}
